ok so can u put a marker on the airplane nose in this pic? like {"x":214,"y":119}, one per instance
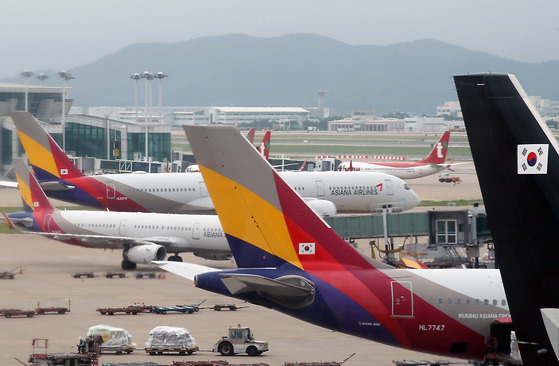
{"x":412,"y":201}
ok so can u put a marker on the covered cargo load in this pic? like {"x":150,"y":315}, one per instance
{"x":170,"y":339}
{"x":114,"y":339}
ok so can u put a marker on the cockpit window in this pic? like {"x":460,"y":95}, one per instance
{"x":406,"y":187}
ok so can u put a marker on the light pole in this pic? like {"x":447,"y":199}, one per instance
{"x":65,"y":75}
{"x":148,"y":76}
{"x":26,"y":74}
{"x":160,"y":76}
{"x":136,"y":76}
{"x":42,"y":77}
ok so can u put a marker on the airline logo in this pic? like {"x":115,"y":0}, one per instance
{"x":306,"y":248}
{"x":440,"y":147}
{"x":63,"y":171}
{"x":532,"y":158}
{"x":35,"y":204}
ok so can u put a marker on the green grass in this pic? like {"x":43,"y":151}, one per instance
{"x":412,"y":145}
{"x":425,"y":203}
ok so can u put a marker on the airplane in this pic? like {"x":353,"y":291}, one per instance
{"x":290,"y":260}
{"x":433,"y":163}
{"x":141,"y":236}
{"x":517,"y":162}
{"x":326,"y":192}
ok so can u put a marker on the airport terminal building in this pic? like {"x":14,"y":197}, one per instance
{"x":86,"y":136}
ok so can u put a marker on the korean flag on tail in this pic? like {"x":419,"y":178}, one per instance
{"x":532,"y":159}
{"x":306,"y":248}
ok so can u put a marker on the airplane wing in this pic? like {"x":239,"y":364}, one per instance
{"x":183,"y":269}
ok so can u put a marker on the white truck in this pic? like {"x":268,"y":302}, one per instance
{"x":240,"y":340}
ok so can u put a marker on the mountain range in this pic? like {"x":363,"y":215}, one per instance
{"x":241,"y":70}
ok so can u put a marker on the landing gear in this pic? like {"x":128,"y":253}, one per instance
{"x":175,"y":258}
{"x":127,"y":265}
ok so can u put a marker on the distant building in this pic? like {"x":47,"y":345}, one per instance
{"x":363,"y":120}
{"x":236,"y":115}
{"x":44,"y":102}
{"x":451,"y":109}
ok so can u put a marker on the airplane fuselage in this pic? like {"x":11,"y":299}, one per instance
{"x":187,"y":193}
{"x":201,"y":234}
{"x":403,"y":170}
{"x":445,"y":312}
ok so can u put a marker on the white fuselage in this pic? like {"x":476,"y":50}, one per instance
{"x":178,"y":233}
{"x":403,"y":170}
{"x":186,"y":192}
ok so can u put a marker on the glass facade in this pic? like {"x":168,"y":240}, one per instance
{"x":91,"y":141}
{"x":33,"y":99}
{"x":6,"y":146}
{"x":159,"y":145}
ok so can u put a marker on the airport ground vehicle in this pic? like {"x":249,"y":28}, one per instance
{"x":140,"y":275}
{"x":240,"y":340}
{"x":132,"y":309}
{"x":8,"y":274}
{"x":165,"y":339}
{"x":8,"y":313}
{"x":446,"y":178}
{"x":116,"y":340}
{"x":232,"y":307}
{"x":58,"y":310}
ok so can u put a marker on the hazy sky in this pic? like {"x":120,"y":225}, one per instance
{"x":62,"y":34}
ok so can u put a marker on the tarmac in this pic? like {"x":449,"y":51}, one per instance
{"x":43,"y":273}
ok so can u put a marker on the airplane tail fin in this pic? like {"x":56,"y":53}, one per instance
{"x":517,"y":163}
{"x":49,"y":162}
{"x":32,"y":195}
{"x":264,"y":148}
{"x":267,"y":224}
{"x":438,"y":153}
{"x":250,"y":135}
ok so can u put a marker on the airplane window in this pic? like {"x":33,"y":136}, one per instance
{"x":449,"y":301}
{"x":440,"y":300}
{"x":494,"y":302}
{"x":477,"y":302}
{"x":504,"y":302}
{"x":467,"y":301}
{"x":458,"y":301}
{"x":485,"y":302}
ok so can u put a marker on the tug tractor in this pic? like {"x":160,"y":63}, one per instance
{"x":240,"y":340}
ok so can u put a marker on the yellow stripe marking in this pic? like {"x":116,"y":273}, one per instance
{"x":237,"y":206}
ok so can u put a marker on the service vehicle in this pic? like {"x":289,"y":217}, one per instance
{"x":240,"y":340}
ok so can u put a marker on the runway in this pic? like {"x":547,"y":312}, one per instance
{"x":46,"y":276}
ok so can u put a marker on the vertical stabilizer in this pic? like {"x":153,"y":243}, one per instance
{"x":33,"y":197}
{"x":517,"y":163}
{"x":264,"y":148}
{"x":438,"y":154}
{"x":267,"y":223}
{"x":48,"y":160}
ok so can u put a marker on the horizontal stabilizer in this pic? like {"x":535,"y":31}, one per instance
{"x":7,"y":183}
{"x":183,"y":269}
{"x":551,"y":321}
{"x":238,"y":282}
{"x":56,"y":186}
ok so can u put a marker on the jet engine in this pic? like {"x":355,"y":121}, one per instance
{"x":322,"y":208}
{"x":144,"y":254}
